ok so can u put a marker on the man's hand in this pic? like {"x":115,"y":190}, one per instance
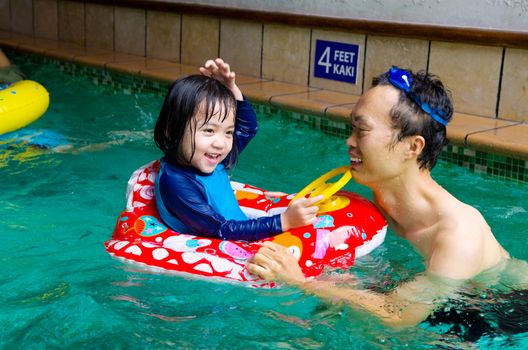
{"x":274,"y":262}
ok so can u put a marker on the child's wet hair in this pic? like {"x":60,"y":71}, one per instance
{"x":409,"y":119}
{"x":182,"y":102}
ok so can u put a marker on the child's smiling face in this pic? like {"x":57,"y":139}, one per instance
{"x":212,"y":140}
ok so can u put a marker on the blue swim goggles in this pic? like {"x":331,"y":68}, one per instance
{"x":402,"y":80}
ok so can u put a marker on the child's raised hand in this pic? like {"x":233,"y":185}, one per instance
{"x":301,"y":212}
{"x":220,"y":70}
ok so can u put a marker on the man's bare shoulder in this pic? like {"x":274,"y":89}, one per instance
{"x":460,"y":220}
{"x":461,"y":242}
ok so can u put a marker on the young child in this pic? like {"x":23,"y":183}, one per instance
{"x":203,"y":125}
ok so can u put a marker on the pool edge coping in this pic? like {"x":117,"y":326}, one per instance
{"x":474,"y":132}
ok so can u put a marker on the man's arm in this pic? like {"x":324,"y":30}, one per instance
{"x":4,"y":61}
{"x":409,"y":304}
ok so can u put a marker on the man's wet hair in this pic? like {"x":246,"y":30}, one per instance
{"x":410,"y":119}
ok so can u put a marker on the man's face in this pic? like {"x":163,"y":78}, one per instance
{"x":374,"y":155}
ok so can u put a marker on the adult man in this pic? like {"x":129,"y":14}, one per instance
{"x":9,"y":73}
{"x":398,"y":135}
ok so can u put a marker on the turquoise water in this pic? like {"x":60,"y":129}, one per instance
{"x":60,"y":289}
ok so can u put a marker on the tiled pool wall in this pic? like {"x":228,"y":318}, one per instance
{"x":487,"y":163}
{"x":485,"y":80}
{"x":488,"y":81}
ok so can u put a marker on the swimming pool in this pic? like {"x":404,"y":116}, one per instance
{"x":60,"y":289}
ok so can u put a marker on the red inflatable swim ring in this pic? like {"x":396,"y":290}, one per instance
{"x":349,"y":227}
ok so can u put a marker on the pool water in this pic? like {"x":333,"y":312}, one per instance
{"x":60,"y":289}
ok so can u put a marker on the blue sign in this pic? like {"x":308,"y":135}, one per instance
{"x":336,"y":61}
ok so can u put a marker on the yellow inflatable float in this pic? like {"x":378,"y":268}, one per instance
{"x":21,"y":103}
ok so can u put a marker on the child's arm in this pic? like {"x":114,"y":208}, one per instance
{"x":246,"y":125}
{"x":221,"y":71}
{"x":186,"y":199}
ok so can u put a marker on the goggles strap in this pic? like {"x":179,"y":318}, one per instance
{"x":402,"y":80}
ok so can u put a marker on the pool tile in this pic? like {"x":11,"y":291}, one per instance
{"x":188,"y":69}
{"x":71,"y":22}
{"x":136,"y":67}
{"x":14,"y":40}
{"x":514,"y":88}
{"x":5,"y":16}
{"x":316,"y":102}
{"x":47,"y":22}
{"x":9,"y":42}
{"x":341,"y":37}
{"x":164,"y":74}
{"x":200,"y":35}
{"x":4,"y":35}
{"x":232,"y":33}
{"x":129,"y":30}
{"x":341,"y":112}
{"x":42,"y":46}
{"x":510,"y":141}
{"x":286,"y":52}
{"x":471,"y":73}
{"x":385,"y":52}
{"x":463,"y":124}
{"x":22,"y":16}
{"x":101,"y":60}
{"x":242,"y":79}
{"x":163,"y":35}
{"x":263,"y":91}
{"x":100,"y":26}
{"x":39,"y":45}
{"x":70,"y":53}
{"x":169,"y":74}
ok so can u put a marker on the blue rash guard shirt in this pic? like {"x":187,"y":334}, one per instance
{"x":190,"y":201}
